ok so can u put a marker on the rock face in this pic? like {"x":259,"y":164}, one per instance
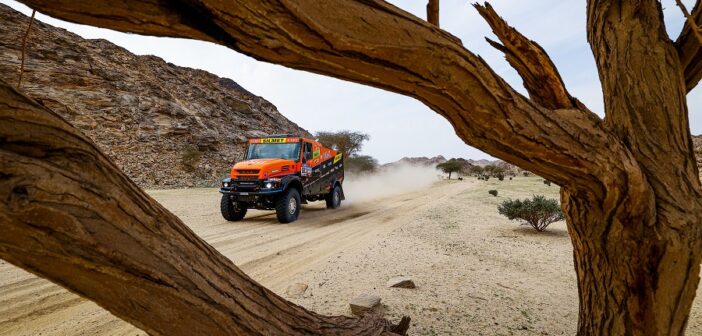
{"x":164,"y":125}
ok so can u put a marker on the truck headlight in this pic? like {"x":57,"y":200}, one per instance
{"x":225,"y":184}
{"x":269,"y":185}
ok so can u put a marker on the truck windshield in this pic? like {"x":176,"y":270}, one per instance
{"x":287,"y":151}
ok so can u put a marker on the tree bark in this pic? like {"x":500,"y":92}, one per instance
{"x":67,"y":213}
{"x":433,"y":12}
{"x":630,"y":189}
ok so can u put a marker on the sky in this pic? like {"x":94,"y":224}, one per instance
{"x":399,"y":126}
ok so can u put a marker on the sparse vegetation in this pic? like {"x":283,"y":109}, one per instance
{"x":538,"y":211}
{"x":547,"y":182}
{"x":493,"y":192}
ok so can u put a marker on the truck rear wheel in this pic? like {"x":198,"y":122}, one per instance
{"x":230,"y":210}
{"x":287,"y":207}
{"x":333,"y":198}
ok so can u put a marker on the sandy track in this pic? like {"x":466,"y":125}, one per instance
{"x":476,"y":272}
{"x":270,"y":252}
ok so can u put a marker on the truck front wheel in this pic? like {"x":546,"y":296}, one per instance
{"x":334,"y":198}
{"x":231,"y":211}
{"x":287,"y":206}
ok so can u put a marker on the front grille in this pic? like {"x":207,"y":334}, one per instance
{"x":243,"y":185}
{"x":248,"y":171}
{"x":248,"y":178}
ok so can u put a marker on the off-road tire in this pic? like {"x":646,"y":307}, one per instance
{"x":333,"y":198}
{"x":230,"y":211}
{"x":284,"y":209}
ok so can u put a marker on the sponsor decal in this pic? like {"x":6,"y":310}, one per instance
{"x":305,"y":170}
{"x":315,"y":154}
{"x":337,"y":158}
{"x":274,"y":140}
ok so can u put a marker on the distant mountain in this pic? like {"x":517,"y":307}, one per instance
{"x":416,"y":161}
{"x":425,"y":161}
{"x":164,"y":125}
{"x":481,"y":163}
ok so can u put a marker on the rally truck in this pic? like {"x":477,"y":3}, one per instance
{"x":281,"y":172}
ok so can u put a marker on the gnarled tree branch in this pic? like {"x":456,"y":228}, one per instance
{"x":689,"y":48}
{"x":541,"y":78}
{"x":69,"y":214}
{"x":375,"y":43}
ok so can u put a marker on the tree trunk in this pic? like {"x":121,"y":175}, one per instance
{"x":631,"y":281}
{"x":67,"y":213}
{"x":630,"y":187}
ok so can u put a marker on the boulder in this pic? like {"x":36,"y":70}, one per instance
{"x":401,"y":281}
{"x":296,"y":290}
{"x":364,"y":303}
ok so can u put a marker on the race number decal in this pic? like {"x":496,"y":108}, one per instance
{"x":337,"y":158}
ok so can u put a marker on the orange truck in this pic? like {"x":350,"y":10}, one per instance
{"x":282,"y":172}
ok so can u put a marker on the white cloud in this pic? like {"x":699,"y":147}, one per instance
{"x":399,"y":126}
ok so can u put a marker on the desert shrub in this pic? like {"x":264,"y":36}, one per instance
{"x":190,"y":157}
{"x":510,"y":178}
{"x":493,"y":192}
{"x":360,"y":164}
{"x":538,"y":211}
{"x":500,"y":176}
{"x":547,"y":182}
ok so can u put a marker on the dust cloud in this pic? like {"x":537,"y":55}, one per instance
{"x":389,"y":181}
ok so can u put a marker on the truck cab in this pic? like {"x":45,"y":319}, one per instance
{"x":282,"y":172}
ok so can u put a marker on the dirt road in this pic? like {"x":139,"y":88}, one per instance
{"x":476,"y":272}
{"x":268,"y":251}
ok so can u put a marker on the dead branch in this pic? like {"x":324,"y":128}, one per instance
{"x":24,"y":47}
{"x":343,"y":39}
{"x":433,"y":12}
{"x":689,"y":46}
{"x":541,"y":78}
{"x":690,"y":20}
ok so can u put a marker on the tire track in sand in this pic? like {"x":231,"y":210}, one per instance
{"x":267,"y":251}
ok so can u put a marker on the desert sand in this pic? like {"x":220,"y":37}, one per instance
{"x":476,"y":272}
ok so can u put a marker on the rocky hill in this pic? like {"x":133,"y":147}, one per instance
{"x":164,"y":125}
{"x":417,"y":161}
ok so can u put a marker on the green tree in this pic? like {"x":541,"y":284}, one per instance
{"x":450,"y":166}
{"x":347,"y":143}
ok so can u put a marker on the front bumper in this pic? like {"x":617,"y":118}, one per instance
{"x":265,"y":192}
